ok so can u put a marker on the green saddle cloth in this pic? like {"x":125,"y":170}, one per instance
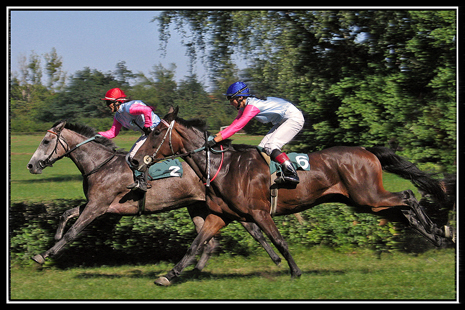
{"x":298,"y":160}
{"x":165,"y":169}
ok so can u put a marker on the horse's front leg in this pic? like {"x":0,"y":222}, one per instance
{"x":212,"y":224}
{"x":65,"y":217}
{"x":198,"y":213}
{"x":265,"y":222}
{"x":90,"y":213}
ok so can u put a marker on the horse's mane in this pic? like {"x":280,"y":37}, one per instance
{"x":201,"y":125}
{"x":90,"y":132}
{"x":193,"y":123}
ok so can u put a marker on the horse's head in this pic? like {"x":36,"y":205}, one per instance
{"x":50,"y":148}
{"x":163,"y":141}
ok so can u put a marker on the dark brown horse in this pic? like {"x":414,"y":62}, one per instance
{"x":241,"y":190}
{"x":105,"y":176}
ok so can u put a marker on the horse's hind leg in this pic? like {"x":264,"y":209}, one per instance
{"x":411,"y":209}
{"x":421,"y":222}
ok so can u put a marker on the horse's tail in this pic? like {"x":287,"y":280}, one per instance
{"x":393,"y":163}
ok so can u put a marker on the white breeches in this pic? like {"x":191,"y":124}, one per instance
{"x":283,"y":132}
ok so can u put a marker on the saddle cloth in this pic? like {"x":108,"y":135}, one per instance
{"x":165,"y":169}
{"x":298,"y":160}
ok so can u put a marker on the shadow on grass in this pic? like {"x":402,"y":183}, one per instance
{"x":63,"y":178}
{"x":205,"y":275}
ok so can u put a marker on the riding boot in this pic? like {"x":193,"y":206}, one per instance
{"x":140,"y":181}
{"x":289,"y":174}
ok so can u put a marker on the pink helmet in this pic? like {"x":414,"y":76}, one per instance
{"x":115,"y":94}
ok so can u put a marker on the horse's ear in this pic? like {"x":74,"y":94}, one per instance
{"x":172,"y":114}
{"x":60,"y":126}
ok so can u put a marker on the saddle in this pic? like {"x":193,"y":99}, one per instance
{"x":300,"y":161}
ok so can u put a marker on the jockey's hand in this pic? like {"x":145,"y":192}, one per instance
{"x":147,"y":130}
{"x":210,"y":142}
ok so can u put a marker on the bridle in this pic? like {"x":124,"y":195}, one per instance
{"x":48,"y":162}
{"x":150,"y":160}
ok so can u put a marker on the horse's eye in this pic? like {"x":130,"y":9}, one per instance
{"x":156,"y":132}
{"x":46,"y":142}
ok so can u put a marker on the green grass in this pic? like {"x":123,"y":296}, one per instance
{"x":327,"y":275}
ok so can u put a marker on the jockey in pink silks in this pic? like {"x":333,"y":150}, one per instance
{"x":135,"y":115}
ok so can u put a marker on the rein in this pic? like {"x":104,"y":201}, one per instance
{"x":49,"y":163}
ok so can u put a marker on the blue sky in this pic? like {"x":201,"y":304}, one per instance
{"x":97,"y":39}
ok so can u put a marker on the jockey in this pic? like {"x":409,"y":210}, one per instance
{"x":286,"y":118}
{"x":135,"y":115}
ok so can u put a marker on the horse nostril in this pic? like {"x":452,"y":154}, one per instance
{"x":29,"y":166}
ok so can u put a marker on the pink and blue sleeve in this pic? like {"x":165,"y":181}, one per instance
{"x":137,"y":109}
{"x":113,"y":131}
{"x":241,"y":120}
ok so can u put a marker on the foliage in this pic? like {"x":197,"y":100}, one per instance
{"x":34,"y":105}
{"x":362,"y":77}
{"x":165,"y":236}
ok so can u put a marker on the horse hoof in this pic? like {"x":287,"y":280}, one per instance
{"x":162,"y":281}
{"x":39,"y":259}
{"x":450,"y":232}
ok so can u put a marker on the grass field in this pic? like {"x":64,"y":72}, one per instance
{"x":327,"y":275}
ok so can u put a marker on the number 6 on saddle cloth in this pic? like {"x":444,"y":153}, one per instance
{"x":299,"y":160}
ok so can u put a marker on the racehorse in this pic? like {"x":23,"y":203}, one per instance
{"x":241,"y":189}
{"x":105,"y":175}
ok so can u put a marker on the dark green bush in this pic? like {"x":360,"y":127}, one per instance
{"x":166,"y":236}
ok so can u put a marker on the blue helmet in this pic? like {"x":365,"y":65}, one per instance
{"x":238,"y":89}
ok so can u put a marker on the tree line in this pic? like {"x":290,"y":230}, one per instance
{"x":36,"y":103}
{"x":361,"y":77}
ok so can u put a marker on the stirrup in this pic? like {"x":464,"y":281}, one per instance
{"x":287,"y":179}
{"x":137,"y":185}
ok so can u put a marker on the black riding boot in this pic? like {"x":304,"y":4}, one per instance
{"x":289,"y":174}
